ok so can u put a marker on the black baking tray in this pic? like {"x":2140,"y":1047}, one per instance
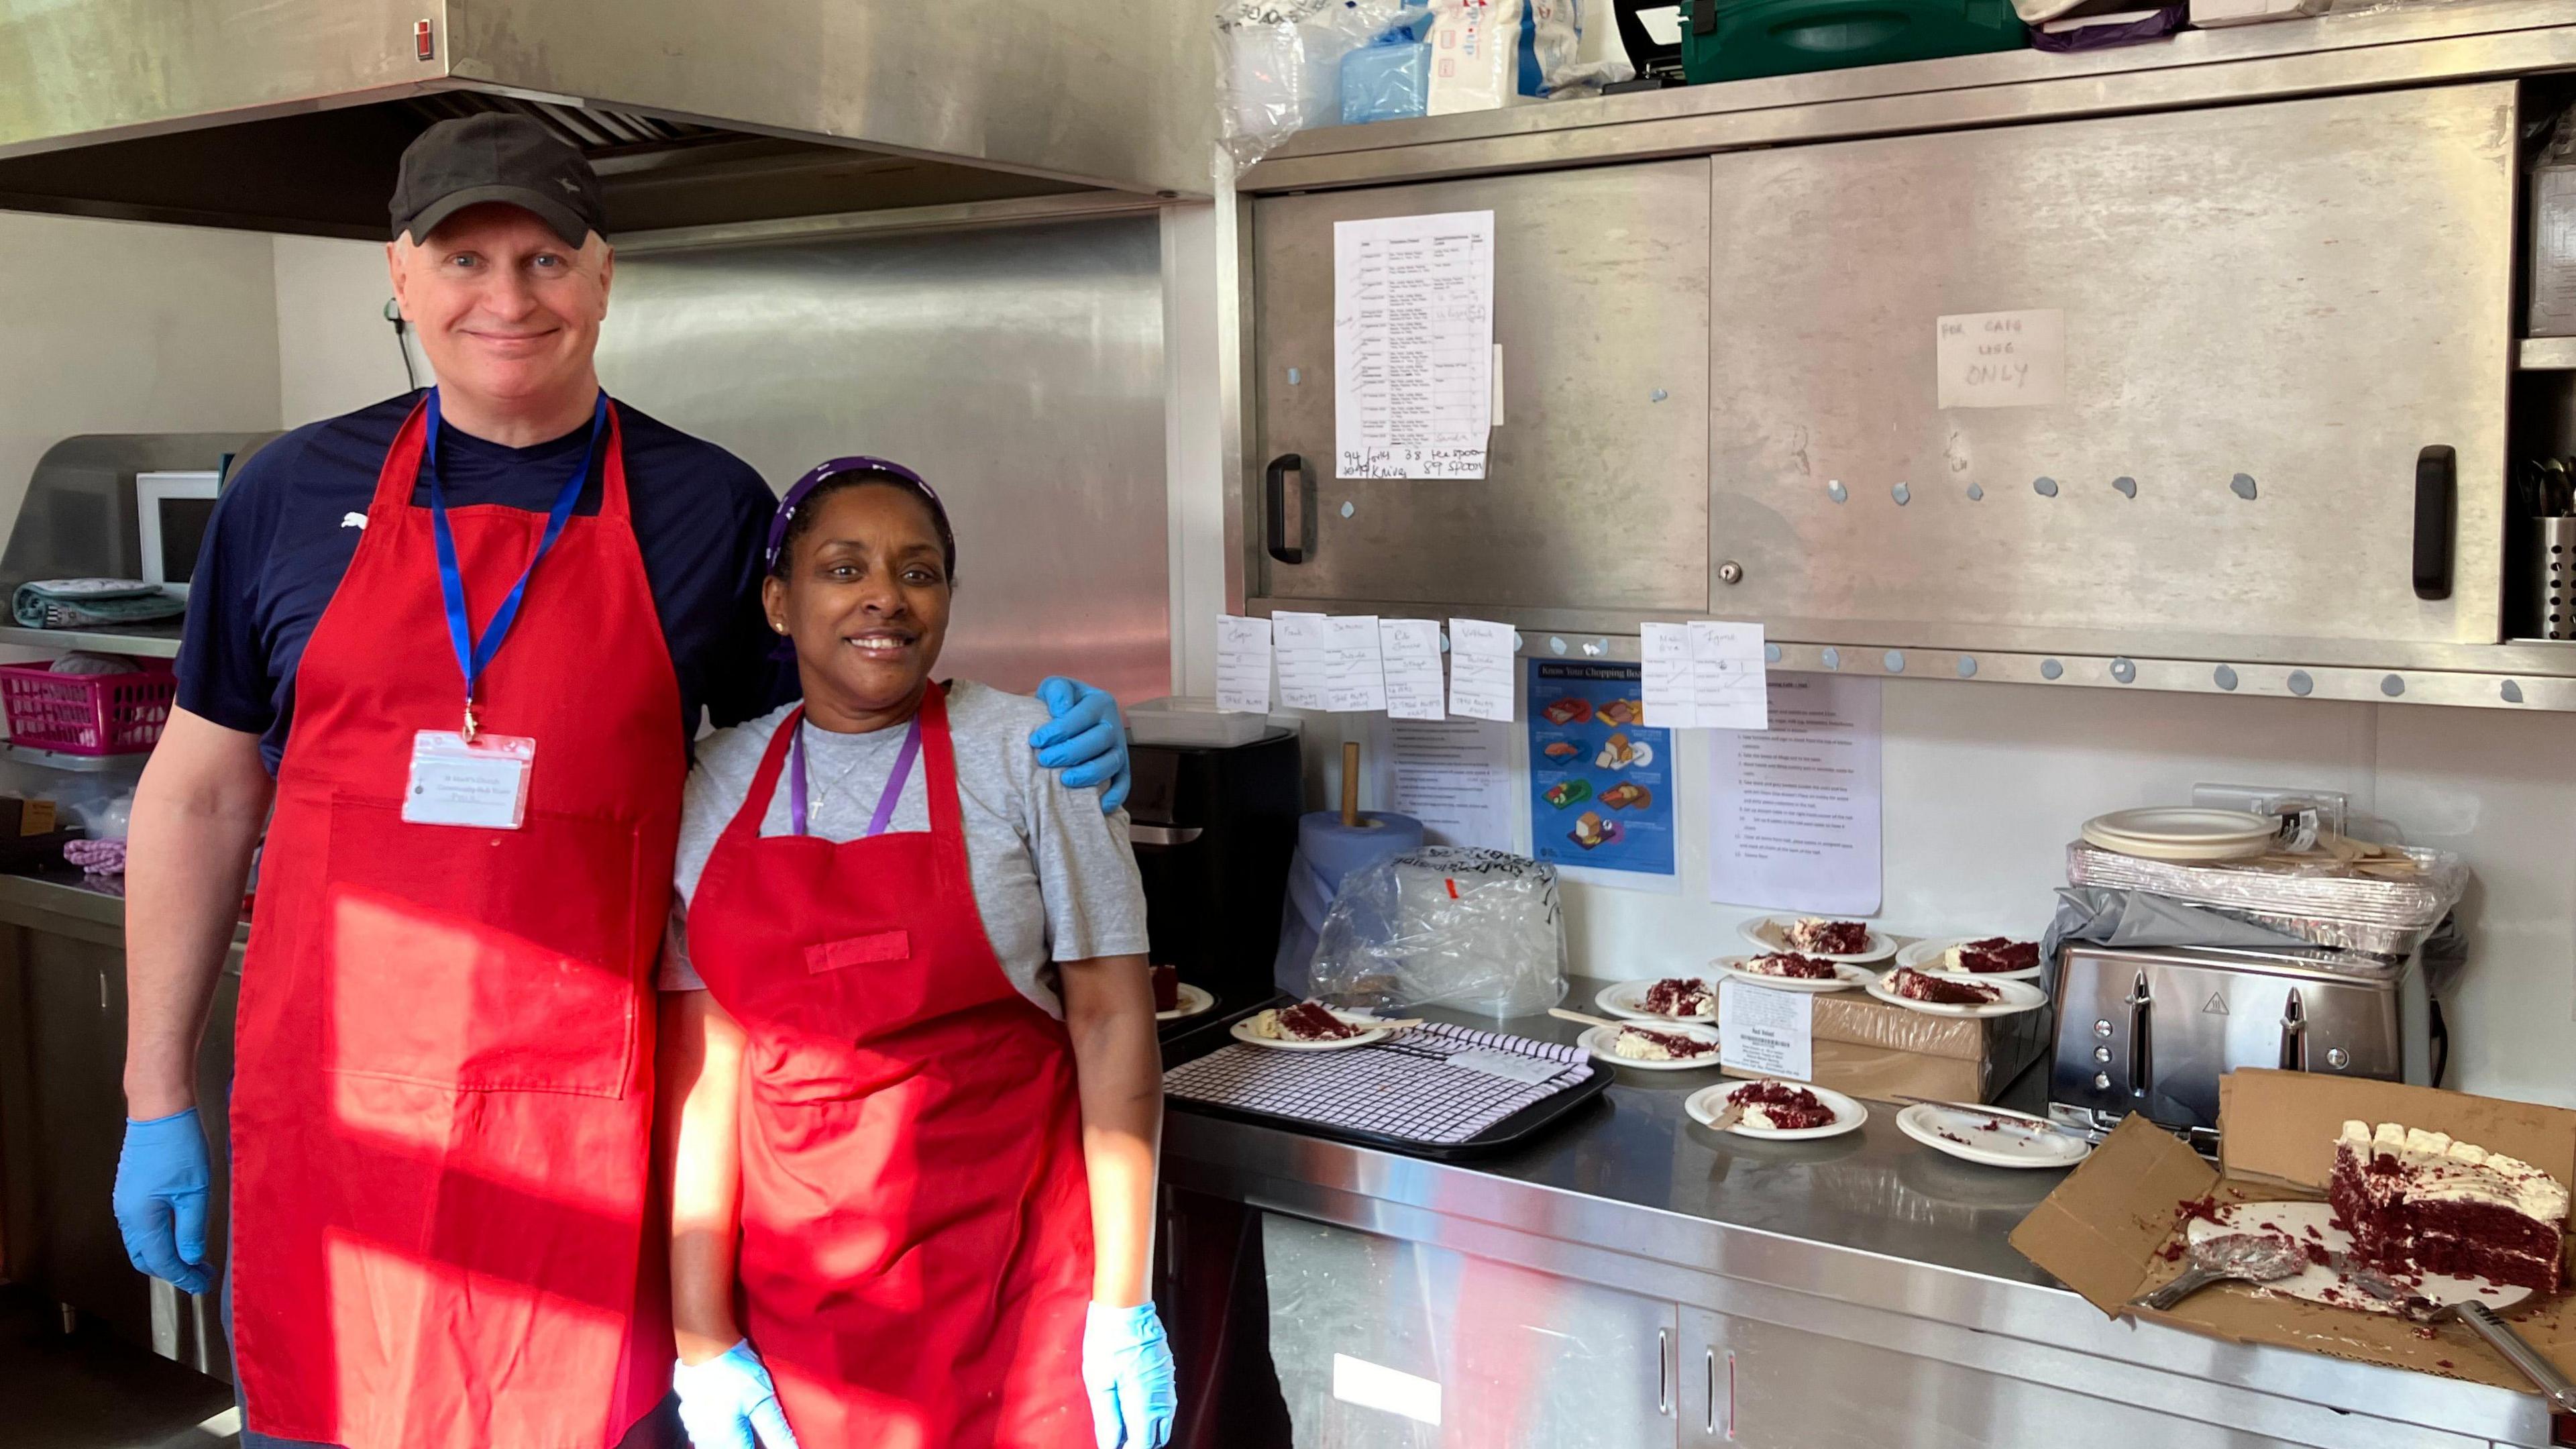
{"x":1511,"y":1132}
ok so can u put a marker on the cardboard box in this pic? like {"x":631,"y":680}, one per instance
{"x":2105,"y":1230}
{"x":1867,"y":1048}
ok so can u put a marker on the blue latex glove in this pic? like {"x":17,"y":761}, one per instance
{"x":727,"y":1400}
{"x":1086,"y":739}
{"x":1127,"y":1366}
{"x":162,"y":1178}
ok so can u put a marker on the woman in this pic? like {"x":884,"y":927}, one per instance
{"x":908,"y":1053}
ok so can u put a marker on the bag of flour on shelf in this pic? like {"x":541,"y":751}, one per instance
{"x":1473,"y":930}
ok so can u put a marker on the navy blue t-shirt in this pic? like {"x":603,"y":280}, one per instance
{"x":286,"y":528}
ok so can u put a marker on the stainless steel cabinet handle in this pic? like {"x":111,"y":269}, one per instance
{"x":2142,"y":1004}
{"x":1711,"y":1424}
{"x":1163,"y":834}
{"x":1663,"y":1371}
{"x":1274,"y":487}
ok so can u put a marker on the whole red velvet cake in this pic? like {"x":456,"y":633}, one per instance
{"x":2418,"y":1201}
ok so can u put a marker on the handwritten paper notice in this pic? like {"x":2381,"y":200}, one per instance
{"x":1795,"y":822}
{"x":1706,"y":674}
{"x":1414,"y":686}
{"x":1242,"y":665}
{"x":1305,"y":650}
{"x":1727,"y":670}
{"x":1480,"y":669}
{"x":1766,"y":1032}
{"x":1413,"y":345}
{"x":2002,"y":359}
{"x":1354,"y":678}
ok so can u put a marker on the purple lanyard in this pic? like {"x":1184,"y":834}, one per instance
{"x":878,"y":822}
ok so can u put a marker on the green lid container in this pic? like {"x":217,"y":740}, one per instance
{"x":1726,"y":40}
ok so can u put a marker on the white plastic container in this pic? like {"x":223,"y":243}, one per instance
{"x":1179,"y":720}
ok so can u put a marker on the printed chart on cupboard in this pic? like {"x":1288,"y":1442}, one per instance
{"x":1594,"y":784}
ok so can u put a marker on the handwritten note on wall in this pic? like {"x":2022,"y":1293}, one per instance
{"x":2002,"y":359}
{"x":1413,"y":345}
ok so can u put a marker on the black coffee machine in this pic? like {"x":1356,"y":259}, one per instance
{"x":1214,"y":826}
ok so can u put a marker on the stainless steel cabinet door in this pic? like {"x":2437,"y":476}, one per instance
{"x":1385,"y":1344}
{"x":2269,"y":311}
{"x":1595,"y":494}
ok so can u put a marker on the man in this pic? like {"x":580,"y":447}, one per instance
{"x":463,"y":639}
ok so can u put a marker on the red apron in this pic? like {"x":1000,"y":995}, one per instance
{"x":442,"y":1104}
{"x":916,"y":1225}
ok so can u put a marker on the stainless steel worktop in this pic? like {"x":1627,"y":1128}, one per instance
{"x":1867,"y":1238}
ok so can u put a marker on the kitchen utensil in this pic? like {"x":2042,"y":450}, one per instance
{"x":2239,"y":1257}
{"x":1561,"y":1014}
{"x":2500,"y":1335}
{"x":2329,"y":1276}
{"x":2152,"y":1029}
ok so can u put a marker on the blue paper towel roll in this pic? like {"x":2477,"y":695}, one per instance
{"x":1327,"y":852}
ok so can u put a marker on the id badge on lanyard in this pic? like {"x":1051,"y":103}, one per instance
{"x":481,"y":782}
{"x":467,"y":777}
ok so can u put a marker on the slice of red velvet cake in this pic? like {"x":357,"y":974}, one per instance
{"x":1682,"y":996}
{"x":1790,"y":965}
{"x":2419,"y":1201}
{"x":1916,"y":985}
{"x":1819,"y":937}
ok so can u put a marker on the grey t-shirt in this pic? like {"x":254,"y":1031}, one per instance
{"x":1054,"y":878}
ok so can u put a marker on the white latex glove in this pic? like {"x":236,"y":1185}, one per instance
{"x":728,"y":1400}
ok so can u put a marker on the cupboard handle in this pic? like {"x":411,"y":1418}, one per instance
{"x":1274,"y":484}
{"x":1663,"y":1371}
{"x":2294,"y":1033}
{"x":1711,"y":1424}
{"x":2437,"y":487}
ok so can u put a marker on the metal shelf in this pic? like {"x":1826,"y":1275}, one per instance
{"x":2549,"y":354}
{"x":84,"y":764}
{"x":159,"y":641}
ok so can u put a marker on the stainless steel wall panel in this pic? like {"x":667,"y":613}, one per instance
{"x":1019,"y":369}
{"x":2305,"y":293}
{"x":1594,"y":488}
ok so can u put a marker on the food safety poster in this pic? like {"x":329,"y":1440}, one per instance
{"x":1601,"y":782}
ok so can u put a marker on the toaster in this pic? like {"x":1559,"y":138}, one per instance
{"x":2151,"y":1030}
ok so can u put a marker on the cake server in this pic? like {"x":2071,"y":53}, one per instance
{"x":2243,"y":1257}
{"x":2509,"y":1345}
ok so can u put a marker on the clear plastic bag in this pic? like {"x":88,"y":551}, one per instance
{"x":1279,"y":66}
{"x":1473,"y":930}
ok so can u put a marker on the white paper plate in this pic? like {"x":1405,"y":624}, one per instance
{"x":2185,"y":825}
{"x":2313,"y":1222}
{"x":1597,"y":1040}
{"x":1242,"y":1032}
{"x":2018,"y":997}
{"x":1627,"y":1000}
{"x":1193,"y":1001}
{"x":1771,"y":934}
{"x":1994,"y":1141}
{"x":1707,"y":1102}
{"x":1926,"y":956}
{"x":1846,"y":976}
{"x":2176,"y":850}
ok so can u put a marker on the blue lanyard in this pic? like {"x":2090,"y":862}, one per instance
{"x":474,"y":656}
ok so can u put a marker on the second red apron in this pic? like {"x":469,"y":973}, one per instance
{"x":916,"y":1229}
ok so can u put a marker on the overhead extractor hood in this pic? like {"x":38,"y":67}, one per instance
{"x":290,"y":115}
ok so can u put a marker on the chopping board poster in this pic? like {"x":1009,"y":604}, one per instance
{"x":1601,"y":783}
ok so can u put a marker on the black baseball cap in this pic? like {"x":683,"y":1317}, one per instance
{"x":515,"y":159}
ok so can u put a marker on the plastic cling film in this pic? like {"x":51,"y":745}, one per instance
{"x":1279,"y":66}
{"x":1474,"y":930}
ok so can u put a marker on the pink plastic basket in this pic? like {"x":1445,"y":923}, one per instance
{"x":87,"y":714}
